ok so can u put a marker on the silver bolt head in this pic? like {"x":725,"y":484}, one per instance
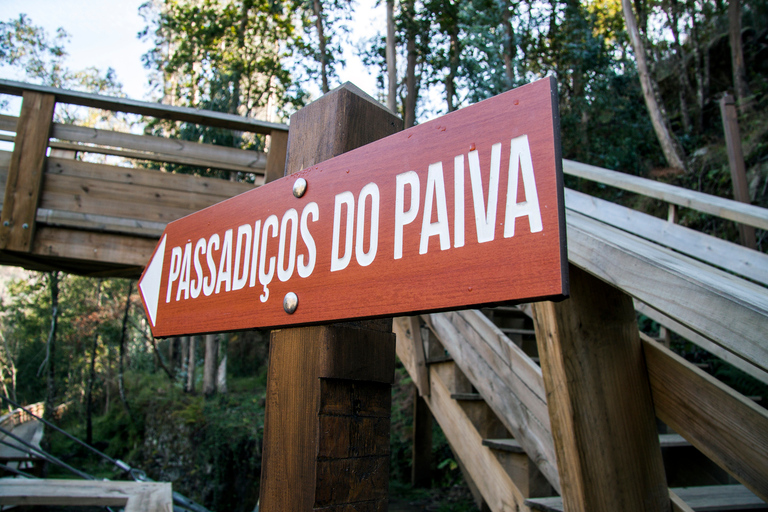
{"x":6,"y":223}
{"x":299,"y":187}
{"x":290,"y":303}
{"x":25,"y":226}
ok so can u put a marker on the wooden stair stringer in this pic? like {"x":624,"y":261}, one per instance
{"x":496,"y":486}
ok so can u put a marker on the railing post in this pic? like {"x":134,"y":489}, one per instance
{"x":326,"y":430}
{"x":736,"y":163}
{"x":278,"y":147}
{"x":25,"y":174}
{"x":599,"y":400}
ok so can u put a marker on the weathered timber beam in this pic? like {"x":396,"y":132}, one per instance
{"x":720,"y":253}
{"x":510,"y":382}
{"x":726,"y":426}
{"x":599,"y":400}
{"x":723,"y":308}
{"x":725,"y":208}
{"x":145,"y":108}
{"x":25,"y":173}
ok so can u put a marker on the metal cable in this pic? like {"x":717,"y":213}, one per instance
{"x":46,"y":456}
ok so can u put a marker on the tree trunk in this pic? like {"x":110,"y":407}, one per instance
{"x":121,"y":361}
{"x":410,"y":74}
{"x":391,"y":57}
{"x":50,"y":352}
{"x":450,"y":88}
{"x":685,"y":90}
{"x":190,"y":388}
{"x":221,"y":373}
{"x":668,"y":146}
{"x":210,"y":365}
{"x":184,"y":358}
{"x":317,"y":7}
{"x":509,"y":44}
{"x":92,"y":377}
{"x":740,"y":85}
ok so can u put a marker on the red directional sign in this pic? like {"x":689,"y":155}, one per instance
{"x":460,"y":211}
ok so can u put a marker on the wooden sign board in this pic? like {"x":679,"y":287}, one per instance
{"x":461,"y":211}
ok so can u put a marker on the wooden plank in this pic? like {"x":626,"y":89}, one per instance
{"x":701,"y":341}
{"x":218,"y":188}
{"x":421,"y":460}
{"x":705,"y":498}
{"x":207,"y":154}
{"x":89,"y":246}
{"x":511,"y":384}
{"x":422,"y":374}
{"x":114,"y":199}
{"x":101,"y":223}
{"x":717,"y":252}
{"x":25,"y":173}
{"x":724,"y":425}
{"x":497,"y":488}
{"x":145,"y":108}
{"x":278,"y":147}
{"x":736,"y":163}
{"x":336,"y":370}
{"x":8,"y":123}
{"x":599,"y":400}
{"x":134,"y":496}
{"x":724,"y":208}
{"x":730,"y":311}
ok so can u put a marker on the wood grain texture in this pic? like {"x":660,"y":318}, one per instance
{"x":145,"y":108}
{"x":717,"y":252}
{"x":25,"y":173}
{"x":278,"y":148}
{"x":493,"y":482}
{"x":326,"y":434}
{"x":726,"y":426}
{"x":133,"y":496}
{"x":194,"y":153}
{"x":724,"y":208}
{"x":422,"y":373}
{"x":89,"y":246}
{"x":440,"y":276}
{"x":599,"y":400}
{"x":723,"y":308}
{"x":701,"y":341}
{"x":510,"y":381}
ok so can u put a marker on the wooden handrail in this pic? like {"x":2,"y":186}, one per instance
{"x":146,"y":108}
{"x":718,"y":206}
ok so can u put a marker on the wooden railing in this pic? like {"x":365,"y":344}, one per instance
{"x":95,"y":219}
{"x":709,"y":291}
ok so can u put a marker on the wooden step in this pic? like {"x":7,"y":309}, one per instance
{"x":522,"y":332}
{"x":439,"y":359}
{"x":469,"y":397}
{"x":709,"y":498}
{"x":512,"y":446}
{"x":504,"y":445}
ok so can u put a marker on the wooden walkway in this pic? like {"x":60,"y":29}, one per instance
{"x":533,"y":403}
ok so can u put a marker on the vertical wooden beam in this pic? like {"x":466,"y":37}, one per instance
{"x":326,"y":430}
{"x":278,"y":147}
{"x":736,"y":163}
{"x":25,"y":174}
{"x":602,"y":416}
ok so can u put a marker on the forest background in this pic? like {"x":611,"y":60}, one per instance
{"x":639,"y":85}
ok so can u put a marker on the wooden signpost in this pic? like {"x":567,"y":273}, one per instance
{"x":461,"y":211}
{"x":458,"y":212}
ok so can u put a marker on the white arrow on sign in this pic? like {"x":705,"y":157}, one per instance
{"x":150,"y":282}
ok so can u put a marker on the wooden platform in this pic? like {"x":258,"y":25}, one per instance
{"x":133,"y":496}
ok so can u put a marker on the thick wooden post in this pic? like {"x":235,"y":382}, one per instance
{"x":326,"y":431}
{"x":736,"y":163}
{"x":25,"y":174}
{"x":276,"y":157}
{"x":599,"y":400}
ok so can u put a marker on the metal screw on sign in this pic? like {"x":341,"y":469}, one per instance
{"x":290,"y":303}
{"x":299,"y":187}
{"x":6,"y":223}
{"x":25,"y":226}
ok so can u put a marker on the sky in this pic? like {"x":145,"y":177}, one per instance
{"x":103,"y":34}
